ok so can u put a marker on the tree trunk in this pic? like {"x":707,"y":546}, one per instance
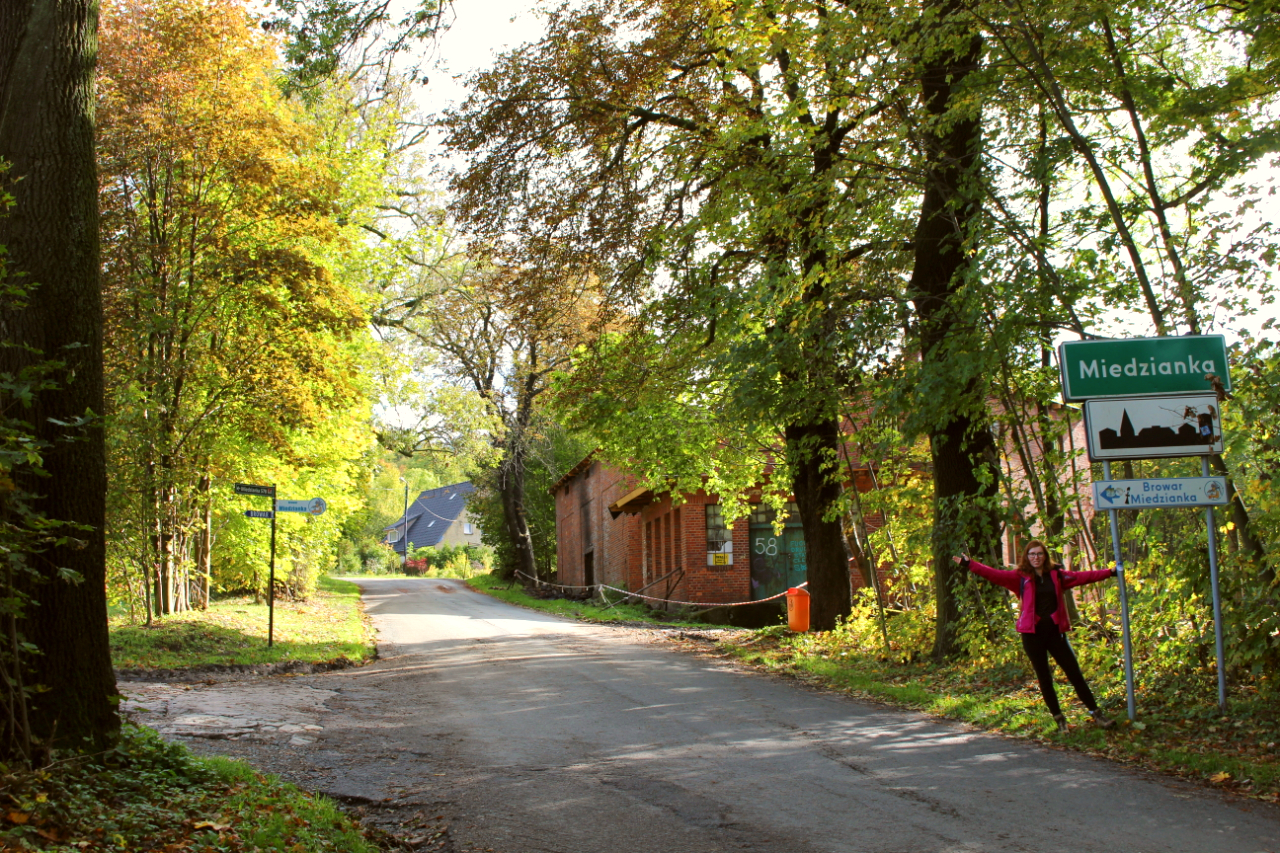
{"x":511,"y":487}
{"x":813,"y":452}
{"x":47,"y":52}
{"x":960,"y":442}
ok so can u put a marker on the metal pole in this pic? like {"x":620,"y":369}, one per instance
{"x":404,"y":539}
{"x":1217,"y":598}
{"x":1124,"y":601}
{"x":271,"y":578}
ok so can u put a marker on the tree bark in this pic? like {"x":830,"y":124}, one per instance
{"x":48,"y":49}
{"x":813,"y":452}
{"x":961,"y":444}
{"x":511,"y":486}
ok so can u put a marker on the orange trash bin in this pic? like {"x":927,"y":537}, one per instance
{"x":798,"y":609}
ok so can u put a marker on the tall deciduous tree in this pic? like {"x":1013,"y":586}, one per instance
{"x":226,"y":326}
{"x":47,"y":53}
{"x":707,"y":157}
{"x":495,"y":334}
{"x":965,"y":461}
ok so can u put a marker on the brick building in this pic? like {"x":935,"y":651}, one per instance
{"x":593,"y":545}
{"x":610,"y":531}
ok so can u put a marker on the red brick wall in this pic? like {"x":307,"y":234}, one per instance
{"x":613,"y":543}
{"x":688,"y":549}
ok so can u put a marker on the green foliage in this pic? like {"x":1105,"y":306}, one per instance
{"x":552,"y":451}
{"x":146,"y":794}
{"x":450,"y":561}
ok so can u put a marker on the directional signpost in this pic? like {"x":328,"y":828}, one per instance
{"x":1160,"y":492}
{"x":265,"y":492}
{"x":1150,"y":398}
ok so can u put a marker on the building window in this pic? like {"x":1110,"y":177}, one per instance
{"x":467,"y":528}
{"x":717,"y":534}
{"x":762,"y":513}
{"x":394,"y":535}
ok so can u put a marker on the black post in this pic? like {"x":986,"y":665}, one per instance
{"x":271,"y":578}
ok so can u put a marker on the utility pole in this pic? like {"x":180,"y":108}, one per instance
{"x":404,"y":544}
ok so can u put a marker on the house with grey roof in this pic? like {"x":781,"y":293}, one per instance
{"x":435,"y":517}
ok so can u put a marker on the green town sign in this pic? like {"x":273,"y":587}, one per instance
{"x":1142,"y":367}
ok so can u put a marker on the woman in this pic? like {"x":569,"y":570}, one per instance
{"x":1042,"y":622}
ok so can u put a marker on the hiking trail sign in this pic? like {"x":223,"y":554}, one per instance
{"x":1142,"y":367}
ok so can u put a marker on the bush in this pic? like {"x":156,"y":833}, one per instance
{"x":450,"y":561}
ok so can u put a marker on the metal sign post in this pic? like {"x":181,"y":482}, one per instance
{"x":1113,"y":514}
{"x":271,"y":588}
{"x":1152,"y":398}
{"x":265,"y":492}
{"x":1217,"y":598}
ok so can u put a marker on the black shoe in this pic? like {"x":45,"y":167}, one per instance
{"x":1061,"y":720}
{"x":1101,"y":720}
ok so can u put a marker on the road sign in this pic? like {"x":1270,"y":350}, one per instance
{"x":1153,"y":427}
{"x":261,"y":491}
{"x":315,"y":506}
{"x":1196,"y":492}
{"x":1142,"y":367}
{"x":258,"y":513}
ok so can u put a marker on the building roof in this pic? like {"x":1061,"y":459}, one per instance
{"x":430,"y":515}
{"x":573,"y":472}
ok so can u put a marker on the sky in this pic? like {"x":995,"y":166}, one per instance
{"x":479,"y":30}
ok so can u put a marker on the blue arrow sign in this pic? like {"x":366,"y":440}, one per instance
{"x":1160,"y":492}
{"x":258,"y":513}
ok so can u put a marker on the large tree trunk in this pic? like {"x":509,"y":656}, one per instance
{"x":813,"y":452}
{"x":47,"y":51}
{"x":960,"y":442}
{"x":511,"y":487}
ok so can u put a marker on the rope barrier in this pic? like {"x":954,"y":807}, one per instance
{"x":549,"y":583}
{"x":654,"y":598}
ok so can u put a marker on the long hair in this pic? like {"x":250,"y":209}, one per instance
{"x":1024,"y":565}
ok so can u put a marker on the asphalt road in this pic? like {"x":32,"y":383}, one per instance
{"x":524,"y":733}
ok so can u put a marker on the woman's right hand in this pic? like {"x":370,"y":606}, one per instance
{"x":961,"y":558}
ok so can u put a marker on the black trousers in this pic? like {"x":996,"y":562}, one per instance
{"x":1048,"y":640}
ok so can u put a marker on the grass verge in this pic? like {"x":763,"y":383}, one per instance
{"x":146,"y":794}
{"x":587,"y":611}
{"x":1179,"y":728}
{"x":233,"y":631}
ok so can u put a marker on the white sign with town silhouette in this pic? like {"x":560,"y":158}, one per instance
{"x":1153,"y":427}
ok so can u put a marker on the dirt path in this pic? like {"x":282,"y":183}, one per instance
{"x":488,"y":727}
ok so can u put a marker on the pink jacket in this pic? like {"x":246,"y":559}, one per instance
{"x":1024,"y":587}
